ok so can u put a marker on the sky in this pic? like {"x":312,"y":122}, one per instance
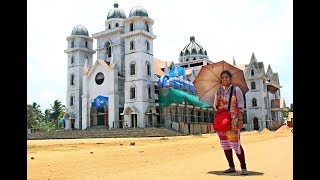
{"x":227,"y":29}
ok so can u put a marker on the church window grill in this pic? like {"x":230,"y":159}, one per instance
{"x":131,"y":45}
{"x":147,"y":27}
{"x":86,"y":44}
{"x":254,"y":102}
{"x":132,"y":92}
{"x":148,"y":69}
{"x":71,"y":100}
{"x":72,"y":59}
{"x":108,"y":49}
{"x":253,"y":85}
{"x":149,"y":92}
{"x":131,"y":27}
{"x":72,"y":80}
{"x":72,"y":44}
{"x":205,"y":115}
{"x":147,"y":46}
{"x":117,"y":24}
{"x":132,"y":68}
{"x":199,"y":117}
{"x":252,"y":72}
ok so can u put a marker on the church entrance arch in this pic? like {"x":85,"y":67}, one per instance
{"x":151,"y":116}
{"x":131,"y":116}
{"x":255,"y":124}
{"x":99,"y":112}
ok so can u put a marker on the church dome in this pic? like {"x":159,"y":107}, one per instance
{"x":138,"y":11}
{"x":80,"y":30}
{"x":192,"y":51}
{"x":116,"y":12}
{"x":193,"y":48}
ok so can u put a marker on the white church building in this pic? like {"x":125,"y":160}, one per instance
{"x":120,"y":88}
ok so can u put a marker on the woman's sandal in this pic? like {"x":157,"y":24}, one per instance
{"x":244,"y":172}
{"x":230,"y":170}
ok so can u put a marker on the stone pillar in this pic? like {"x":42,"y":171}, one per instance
{"x":85,"y":109}
{"x":68,"y":124}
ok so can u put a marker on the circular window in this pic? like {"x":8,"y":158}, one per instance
{"x":99,"y":78}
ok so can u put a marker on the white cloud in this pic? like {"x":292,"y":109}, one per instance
{"x":224,"y":28}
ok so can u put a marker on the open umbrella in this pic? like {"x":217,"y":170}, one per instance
{"x":208,"y":80}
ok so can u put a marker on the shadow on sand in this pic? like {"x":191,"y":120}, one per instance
{"x":238,"y":173}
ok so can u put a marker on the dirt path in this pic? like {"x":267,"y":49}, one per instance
{"x":269,"y":155}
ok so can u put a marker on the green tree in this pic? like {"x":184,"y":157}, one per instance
{"x":34,"y":114}
{"x":56,"y":112}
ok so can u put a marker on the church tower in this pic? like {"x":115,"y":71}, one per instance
{"x":139,"y":68}
{"x":109,"y":41}
{"x":79,"y":51}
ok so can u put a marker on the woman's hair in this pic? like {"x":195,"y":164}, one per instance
{"x":226,"y":72}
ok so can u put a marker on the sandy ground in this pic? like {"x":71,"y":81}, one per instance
{"x":269,"y":155}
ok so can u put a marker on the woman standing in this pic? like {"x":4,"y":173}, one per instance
{"x":231,"y":139}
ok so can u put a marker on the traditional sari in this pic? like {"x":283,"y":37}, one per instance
{"x":230,"y":139}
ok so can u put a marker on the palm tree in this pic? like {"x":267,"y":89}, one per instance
{"x":56,"y":112}
{"x":34,"y":114}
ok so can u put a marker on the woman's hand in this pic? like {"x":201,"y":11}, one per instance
{"x":240,"y":123}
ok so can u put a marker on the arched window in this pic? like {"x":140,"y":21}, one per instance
{"x":186,"y":52}
{"x":132,"y":68}
{"x":254,"y":102}
{"x":72,"y":80}
{"x":108,"y":49}
{"x":72,"y":44}
{"x":72,"y":60}
{"x":194,"y":58}
{"x":147,"y":45}
{"x":253,"y":85}
{"x":149,"y":92}
{"x":117,"y":24}
{"x":181,"y":54}
{"x":131,"y":26}
{"x":71,"y":100}
{"x":252,"y":72}
{"x":131,"y":45}
{"x":132,"y":92}
{"x":147,"y":27}
{"x":109,"y":26}
{"x":194,"y":51}
{"x":148,"y":68}
{"x":86,"y":44}
{"x":200,"y":51}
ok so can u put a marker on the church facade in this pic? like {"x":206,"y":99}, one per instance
{"x":121,"y":87}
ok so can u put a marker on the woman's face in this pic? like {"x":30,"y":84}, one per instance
{"x":225,"y":79}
